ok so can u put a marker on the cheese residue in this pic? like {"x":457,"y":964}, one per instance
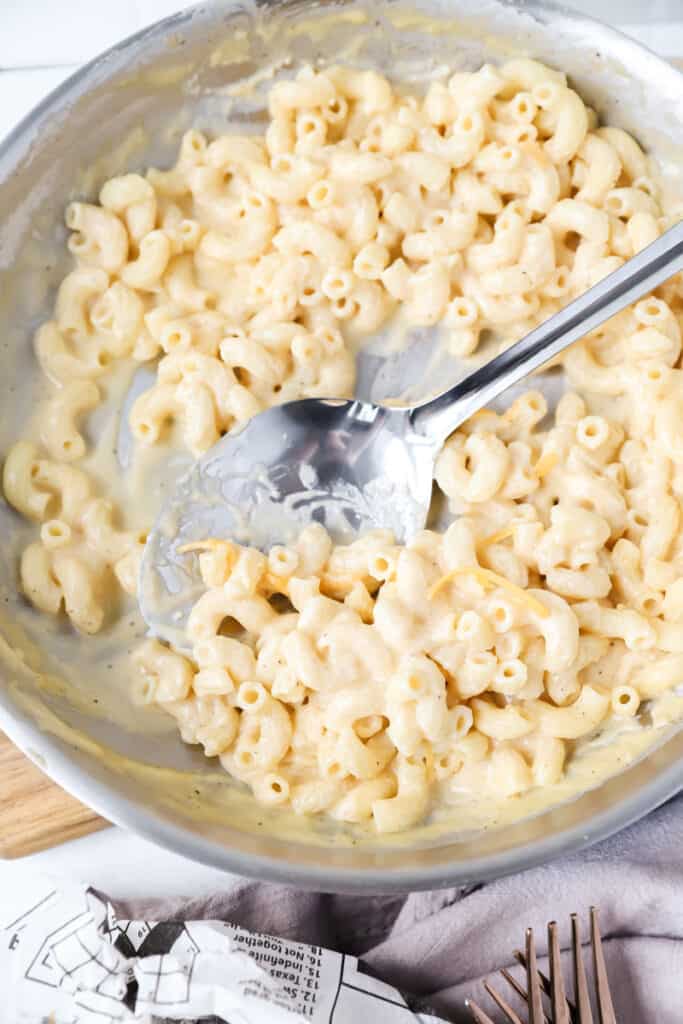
{"x":210,"y":544}
{"x":488,"y":578}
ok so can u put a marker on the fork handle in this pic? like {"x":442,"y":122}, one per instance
{"x":650,"y":267}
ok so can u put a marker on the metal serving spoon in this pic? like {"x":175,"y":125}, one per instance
{"x":348,"y":464}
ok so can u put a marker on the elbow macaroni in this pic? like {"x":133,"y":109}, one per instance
{"x":472,"y":661}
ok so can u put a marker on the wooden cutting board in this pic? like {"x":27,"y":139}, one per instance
{"x":34,"y":812}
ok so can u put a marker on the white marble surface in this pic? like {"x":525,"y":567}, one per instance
{"x":118,"y":863}
{"x":39,"y":47}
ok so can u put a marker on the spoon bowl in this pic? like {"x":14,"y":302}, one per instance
{"x":351,"y":466}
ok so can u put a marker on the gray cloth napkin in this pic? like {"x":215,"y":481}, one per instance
{"x":441,"y":945}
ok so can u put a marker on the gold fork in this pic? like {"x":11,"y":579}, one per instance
{"x":562,"y":1010}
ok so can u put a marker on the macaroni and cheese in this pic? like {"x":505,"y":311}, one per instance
{"x":369,"y":680}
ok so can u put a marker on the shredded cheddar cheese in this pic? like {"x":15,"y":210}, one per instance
{"x":488,"y":578}
{"x":494,"y":538}
{"x":275,"y":584}
{"x":546,"y":463}
{"x":210,"y":544}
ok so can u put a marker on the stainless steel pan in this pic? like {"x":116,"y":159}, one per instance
{"x":125,"y":109}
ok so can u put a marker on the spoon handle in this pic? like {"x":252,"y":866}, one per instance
{"x":656,"y":263}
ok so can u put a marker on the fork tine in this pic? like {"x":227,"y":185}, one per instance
{"x":558,"y":1000}
{"x":605,"y":1007}
{"x":478,"y":1013}
{"x":545,"y":983}
{"x":512,"y":981}
{"x":510,"y":1014}
{"x":544,"y":980}
{"x":583,"y":1006}
{"x":535,"y":1001}
{"x":520,"y":990}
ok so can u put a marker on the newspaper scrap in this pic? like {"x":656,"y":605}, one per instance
{"x":65,"y":958}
